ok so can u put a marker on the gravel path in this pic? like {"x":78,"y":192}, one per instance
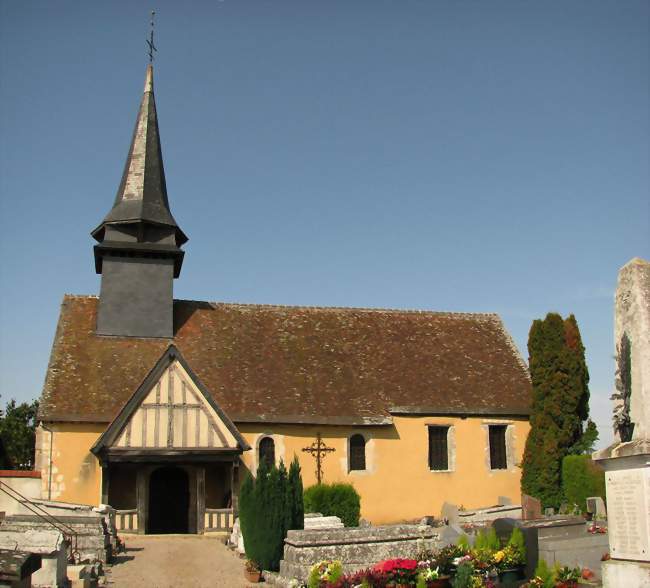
{"x":176,"y":561}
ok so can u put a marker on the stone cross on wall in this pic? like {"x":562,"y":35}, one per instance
{"x":319,"y":450}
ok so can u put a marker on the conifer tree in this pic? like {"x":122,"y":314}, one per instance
{"x":560,"y":405}
{"x":295,"y":504}
{"x":270,"y":504}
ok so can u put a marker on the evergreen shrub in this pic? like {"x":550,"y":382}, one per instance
{"x":269,"y":505}
{"x":581,"y":478}
{"x":339,"y":500}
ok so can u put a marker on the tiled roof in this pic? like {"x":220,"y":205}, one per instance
{"x":295,"y":364}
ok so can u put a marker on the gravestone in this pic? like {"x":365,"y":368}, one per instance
{"x":49,"y":543}
{"x":627,"y":475}
{"x":449,"y":513}
{"x":531,"y":508}
{"x":354,"y":547}
{"x":596,"y":506}
{"x":17,"y":567}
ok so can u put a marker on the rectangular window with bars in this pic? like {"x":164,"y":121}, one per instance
{"x":438,"y":449}
{"x":498,"y":455}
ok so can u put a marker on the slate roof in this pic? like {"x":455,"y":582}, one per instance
{"x":142,"y":194}
{"x":295,"y":364}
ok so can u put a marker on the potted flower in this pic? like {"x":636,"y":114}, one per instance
{"x":252,"y":572}
{"x":510,"y":564}
{"x":325,"y":573}
{"x":432,"y":577}
{"x":568,"y":577}
{"x":511,"y":559}
{"x":444,"y":559}
{"x":400,"y":572}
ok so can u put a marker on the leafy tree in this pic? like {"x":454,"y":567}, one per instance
{"x":560,"y":381}
{"x":18,"y":434}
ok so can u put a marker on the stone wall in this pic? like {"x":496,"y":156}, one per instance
{"x":27,"y":483}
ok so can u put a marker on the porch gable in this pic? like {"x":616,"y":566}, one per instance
{"x":171,"y":411}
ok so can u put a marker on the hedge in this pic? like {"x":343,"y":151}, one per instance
{"x":340,"y":500}
{"x":581,"y":478}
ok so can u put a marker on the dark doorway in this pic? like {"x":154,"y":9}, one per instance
{"x":169,"y":501}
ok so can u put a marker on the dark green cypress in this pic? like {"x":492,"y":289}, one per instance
{"x":248,"y":515}
{"x":560,"y":404}
{"x":296,"y":507}
{"x":268,"y":507}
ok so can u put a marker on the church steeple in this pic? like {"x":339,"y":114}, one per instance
{"x":139,"y":251}
{"x":142,"y":194}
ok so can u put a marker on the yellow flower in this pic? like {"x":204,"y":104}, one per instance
{"x":498,"y":556}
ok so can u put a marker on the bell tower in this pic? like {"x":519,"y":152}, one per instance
{"x":138,"y":253}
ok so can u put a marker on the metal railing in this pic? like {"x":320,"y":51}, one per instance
{"x":69,"y":534}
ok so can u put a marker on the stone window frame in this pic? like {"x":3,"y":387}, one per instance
{"x":277,"y":444}
{"x":370,"y":449}
{"x":365,"y":452}
{"x":451,"y":447}
{"x":510,"y":444}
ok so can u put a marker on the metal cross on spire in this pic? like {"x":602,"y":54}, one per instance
{"x":319,"y":450}
{"x":152,"y":47}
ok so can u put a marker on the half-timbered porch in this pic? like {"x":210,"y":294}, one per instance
{"x":170,"y":459}
{"x":171,"y":497}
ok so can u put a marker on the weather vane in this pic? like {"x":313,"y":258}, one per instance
{"x":152,"y":47}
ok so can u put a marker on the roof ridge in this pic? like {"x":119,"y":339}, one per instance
{"x":487,"y":315}
{"x":447,"y":313}
{"x":80,"y":296}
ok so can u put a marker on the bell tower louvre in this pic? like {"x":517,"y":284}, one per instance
{"x":138,"y":252}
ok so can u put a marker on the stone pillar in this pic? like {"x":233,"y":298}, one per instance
{"x":627,"y":461}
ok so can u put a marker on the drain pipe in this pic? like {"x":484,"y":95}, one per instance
{"x":49,"y":467}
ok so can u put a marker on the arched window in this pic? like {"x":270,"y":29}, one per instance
{"x":266,"y":451}
{"x":357,"y":452}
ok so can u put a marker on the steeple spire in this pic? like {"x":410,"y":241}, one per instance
{"x":142,"y":194}
{"x":139,"y":252}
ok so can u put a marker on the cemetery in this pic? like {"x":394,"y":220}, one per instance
{"x":198,"y":443}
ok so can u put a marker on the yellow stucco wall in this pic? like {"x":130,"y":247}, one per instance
{"x":397,"y":484}
{"x":76,"y":474}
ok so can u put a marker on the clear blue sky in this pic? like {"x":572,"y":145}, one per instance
{"x":462,"y":156}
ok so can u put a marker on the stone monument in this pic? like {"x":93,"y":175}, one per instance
{"x":627,"y":461}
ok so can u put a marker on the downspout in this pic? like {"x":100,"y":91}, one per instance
{"x":49,"y":467}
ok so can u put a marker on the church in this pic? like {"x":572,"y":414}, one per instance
{"x":159,"y":407}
